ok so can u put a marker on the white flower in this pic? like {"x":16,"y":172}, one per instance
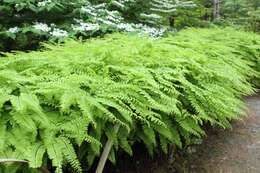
{"x":125,"y":1}
{"x":153,"y":16}
{"x":42,"y":27}
{"x":112,"y":18}
{"x":17,"y":5}
{"x":103,"y":5}
{"x":53,"y":25}
{"x":59,"y":33}
{"x":84,"y":9}
{"x":77,"y":20}
{"x":85,"y":27}
{"x":141,"y":29}
{"x":118,"y":4}
{"x":89,"y":10}
{"x":43,"y":3}
{"x":14,"y":30}
{"x":107,"y":22}
{"x":153,"y":32}
{"x":112,"y":13}
{"x":126,"y":26}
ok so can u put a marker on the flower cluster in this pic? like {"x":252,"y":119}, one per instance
{"x":100,"y":14}
{"x":142,"y":29}
{"x":153,"y":32}
{"x":14,"y":30}
{"x":59,"y":33}
{"x":89,"y":10}
{"x":152,"y":16}
{"x":82,"y":26}
{"x":43,"y":3}
{"x":121,"y":3}
{"x":42,"y":27}
{"x":126,"y":27}
{"x":52,"y":30}
{"x":94,"y":18}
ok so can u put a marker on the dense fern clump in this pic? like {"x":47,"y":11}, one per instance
{"x":62,"y":104}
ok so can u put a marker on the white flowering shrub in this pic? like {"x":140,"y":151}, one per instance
{"x":24,"y":23}
{"x":42,"y":27}
{"x":13,"y":30}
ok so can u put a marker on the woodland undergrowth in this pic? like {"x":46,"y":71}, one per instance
{"x":58,"y":107}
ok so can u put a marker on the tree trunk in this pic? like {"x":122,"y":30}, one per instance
{"x":216,"y":14}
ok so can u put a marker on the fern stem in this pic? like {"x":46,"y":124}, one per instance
{"x":12,"y":160}
{"x":44,"y":170}
{"x":106,"y":151}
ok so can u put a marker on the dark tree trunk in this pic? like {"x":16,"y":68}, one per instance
{"x":171,"y":21}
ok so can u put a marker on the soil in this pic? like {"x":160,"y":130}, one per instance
{"x":235,"y":150}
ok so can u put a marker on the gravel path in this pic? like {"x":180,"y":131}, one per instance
{"x":232,"y":151}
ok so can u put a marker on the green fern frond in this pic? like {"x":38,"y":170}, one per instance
{"x":62,"y":104}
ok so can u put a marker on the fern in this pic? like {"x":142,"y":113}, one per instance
{"x":62,"y":104}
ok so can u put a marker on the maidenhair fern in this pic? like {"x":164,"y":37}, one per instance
{"x":62,"y":104}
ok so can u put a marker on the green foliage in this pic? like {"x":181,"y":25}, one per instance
{"x":62,"y":104}
{"x":25,"y":23}
{"x":242,"y":12}
{"x":155,"y":12}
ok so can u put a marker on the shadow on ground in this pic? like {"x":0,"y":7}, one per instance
{"x":235,"y":150}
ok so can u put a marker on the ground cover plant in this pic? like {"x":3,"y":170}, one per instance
{"x":58,"y":107}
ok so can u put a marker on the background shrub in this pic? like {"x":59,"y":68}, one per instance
{"x":25,"y":23}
